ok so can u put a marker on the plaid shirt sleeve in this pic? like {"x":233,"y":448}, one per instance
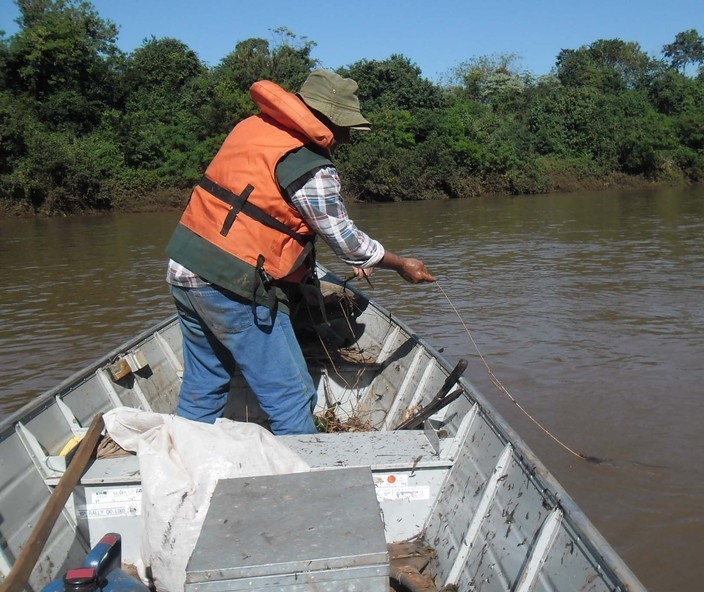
{"x":317,"y":197}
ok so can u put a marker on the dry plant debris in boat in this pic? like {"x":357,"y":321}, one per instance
{"x":328,"y":422}
{"x":411,"y":412}
{"x":409,"y":563}
{"x":108,"y":448}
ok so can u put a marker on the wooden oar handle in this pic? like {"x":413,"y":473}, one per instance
{"x":19,"y":575}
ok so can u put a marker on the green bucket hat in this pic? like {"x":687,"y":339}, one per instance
{"x":335,"y":97}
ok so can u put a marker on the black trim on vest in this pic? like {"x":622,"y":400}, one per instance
{"x":237,"y":205}
{"x":240,"y":204}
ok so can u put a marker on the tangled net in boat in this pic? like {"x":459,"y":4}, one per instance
{"x":329,"y":423}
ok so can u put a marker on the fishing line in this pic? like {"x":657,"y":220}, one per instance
{"x":497,"y":383}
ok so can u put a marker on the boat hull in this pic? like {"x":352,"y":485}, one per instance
{"x":464,"y":482}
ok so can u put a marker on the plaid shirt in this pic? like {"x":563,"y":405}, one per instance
{"x":317,"y":197}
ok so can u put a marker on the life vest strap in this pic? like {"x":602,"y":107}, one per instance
{"x":239,"y":204}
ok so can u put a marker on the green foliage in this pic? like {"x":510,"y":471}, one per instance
{"x":159,"y":125}
{"x":287,"y":63}
{"x":63,"y":174}
{"x":84,"y":126}
{"x":566,"y":120}
{"x":673,"y":93}
{"x":465,"y":129}
{"x":63,"y":46}
{"x":611,"y":65}
{"x":492,"y":80}
{"x":393,"y":83}
{"x":378,"y":171}
{"x":689,"y":152}
{"x":687,"y":48}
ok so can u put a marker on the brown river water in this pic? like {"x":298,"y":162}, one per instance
{"x":588,"y":307}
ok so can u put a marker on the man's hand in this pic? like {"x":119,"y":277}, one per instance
{"x":363,"y":274}
{"x":411,"y":270}
{"x":414,"y":271}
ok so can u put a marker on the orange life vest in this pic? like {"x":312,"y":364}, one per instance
{"x":240,"y":183}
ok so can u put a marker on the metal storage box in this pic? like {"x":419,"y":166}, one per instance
{"x":306,"y":532}
{"x":109,"y":499}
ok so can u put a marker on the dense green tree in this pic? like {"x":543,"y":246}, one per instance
{"x":561,"y":119}
{"x":672,"y":92}
{"x":84,"y":126}
{"x":287,"y":61}
{"x":64,"y":57}
{"x":687,"y":48}
{"x":611,"y":65}
{"x":60,"y":69}
{"x":160,"y":69}
{"x":393,"y":83}
{"x":159,"y":126}
{"x":642,"y":136}
{"x":688,"y":152}
{"x":398,"y":101}
{"x":4,"y":57}
{"x":62,"y":46}
{"x":465,"y":132}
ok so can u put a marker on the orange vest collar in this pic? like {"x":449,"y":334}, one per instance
{"x":289,"y":110}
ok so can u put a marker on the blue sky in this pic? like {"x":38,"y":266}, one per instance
{"x":435,"y":35}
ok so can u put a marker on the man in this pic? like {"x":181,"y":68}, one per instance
{"x":246,"y":236}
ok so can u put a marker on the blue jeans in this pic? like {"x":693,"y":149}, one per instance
{"x":220,"y":332}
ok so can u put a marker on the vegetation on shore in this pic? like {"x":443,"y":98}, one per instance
{"x":84,"y":126}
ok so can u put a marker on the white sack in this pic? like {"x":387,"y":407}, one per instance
{"x":180,"y":463}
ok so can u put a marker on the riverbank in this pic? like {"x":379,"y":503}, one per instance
{"x":167,"y":199}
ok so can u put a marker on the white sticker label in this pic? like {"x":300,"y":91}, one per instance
{"x":395,"y":487}
{"x":106,"y":503}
